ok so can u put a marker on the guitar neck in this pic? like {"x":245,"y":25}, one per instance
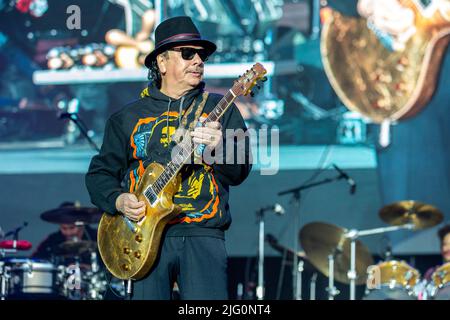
{"x":185,"y":149}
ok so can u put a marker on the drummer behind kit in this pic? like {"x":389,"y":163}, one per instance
{"x":72,"y":272}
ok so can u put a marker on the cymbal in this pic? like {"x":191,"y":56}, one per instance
{"x":76,"y":247}
{"x":72,"y":214}
{"x":319,"y":240}
{"x":421,"y":215}
{"x":20,"y":244}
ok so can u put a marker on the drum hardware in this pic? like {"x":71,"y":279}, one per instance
{"x":296,"y":194}
{"x":394,"y":280}
{"x":79,"y":274}
{"x":299,"y":278}
{"x":332,"y":290}
{"x":4,"y":278}
{"x":440,"y":283}
{"x":353,"y":235}
{"x":397,"y":276}
{"x":288,"y":256}
{"x":312,"y":287}
{"x":322,"y":240}
{"x":10,"y":247}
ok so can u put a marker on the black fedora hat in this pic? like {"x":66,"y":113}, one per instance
{"x":175,"y":31}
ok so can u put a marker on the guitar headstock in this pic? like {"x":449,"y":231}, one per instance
{"x":249,"y":79}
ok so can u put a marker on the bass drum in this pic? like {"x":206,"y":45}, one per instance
{"x":441,"y":283}
{"x":392,"y":280}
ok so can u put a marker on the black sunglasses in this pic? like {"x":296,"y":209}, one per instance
{"x":189,"y":53}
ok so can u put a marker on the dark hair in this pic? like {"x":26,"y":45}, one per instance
{"x":153,"y":72}
{"x":443,"y":232}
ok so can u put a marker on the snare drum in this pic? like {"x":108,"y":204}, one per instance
{"x":31,"y":277}
{"x":394,"y":280}
{"x":441,"y":282}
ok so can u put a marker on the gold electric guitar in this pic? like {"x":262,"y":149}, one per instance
{"x":129,"y":249}
{"x":372,"y":78}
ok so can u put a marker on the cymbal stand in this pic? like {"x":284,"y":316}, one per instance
{"x":312,"y":287}
{"x":4,"y":273}
{"x":296,"y":194}
{"x":354,"y":234}
{"x":332,"y":290}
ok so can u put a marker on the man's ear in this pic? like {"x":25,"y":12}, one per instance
{"x":161,"y":61}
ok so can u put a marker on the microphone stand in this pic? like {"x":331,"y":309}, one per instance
{"x":82,"y":127}
{"x":296,"y":195}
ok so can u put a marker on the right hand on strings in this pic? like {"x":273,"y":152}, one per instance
{"x":130,"y":206}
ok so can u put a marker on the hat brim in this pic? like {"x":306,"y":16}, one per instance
{"x":208,"y":45}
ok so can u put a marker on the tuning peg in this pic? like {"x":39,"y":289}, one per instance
{"x":252,"y":94}
{"x":264,"y":79}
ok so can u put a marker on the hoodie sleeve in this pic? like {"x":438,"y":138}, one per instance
{"x":103,"y":179}
{"x":346,"y":7}
{"x":236,"y":165}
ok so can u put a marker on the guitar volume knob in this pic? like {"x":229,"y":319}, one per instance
{"x":139,"y":238}
{"x":126,"y":250}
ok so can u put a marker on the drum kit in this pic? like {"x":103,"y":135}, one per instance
{"x":339,"y":255}
{"x":73,"y":271}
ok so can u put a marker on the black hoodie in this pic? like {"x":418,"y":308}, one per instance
{"x":138,"y":135}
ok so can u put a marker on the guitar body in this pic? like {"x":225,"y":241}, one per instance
{"x":129,"y":255}
{"x":376,"y":82}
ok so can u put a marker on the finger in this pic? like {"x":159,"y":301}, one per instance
{"x":202,"y":141}
{"x":134,"y":217}
{"x":135,"y":213}
{"x":214,"y":125}
{"x":209,"y":131}
{"x":132,"y":197}
{"x":135,"y":204}
{"x":207,"y":137}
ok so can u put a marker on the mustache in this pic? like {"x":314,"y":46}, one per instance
{"x":198,"y":70}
